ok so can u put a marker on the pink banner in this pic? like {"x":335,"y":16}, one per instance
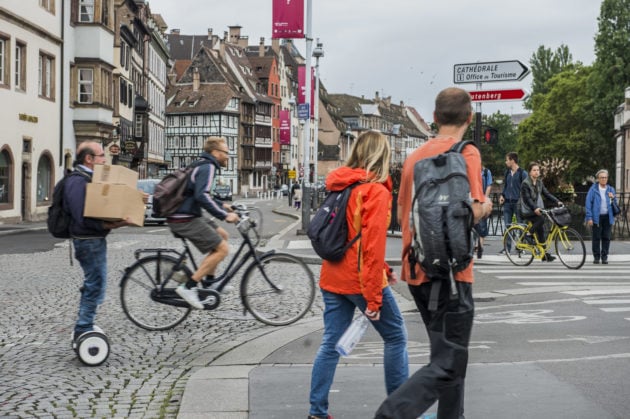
{"x":302,"y":86}
{"x":285,"y":128}
{"x":288,"y":19}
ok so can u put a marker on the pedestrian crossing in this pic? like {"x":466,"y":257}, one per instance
{"x":606,"y":288}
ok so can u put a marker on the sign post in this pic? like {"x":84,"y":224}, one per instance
{"x":497,"y":95}
{"x":487,"y":72}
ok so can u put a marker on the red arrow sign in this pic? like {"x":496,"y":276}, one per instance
{"x":496,"y":95}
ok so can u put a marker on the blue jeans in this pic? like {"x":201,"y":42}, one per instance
{"x":338,"y":315}
{"x":92,"y":256}
{"x":601,"y":238}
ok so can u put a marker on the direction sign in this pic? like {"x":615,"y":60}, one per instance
{"x":303,"y":111}
{"x":497,"y":95}
{"x":489,"y":72}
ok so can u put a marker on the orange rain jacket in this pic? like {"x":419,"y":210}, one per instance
{"x":363,"y":269}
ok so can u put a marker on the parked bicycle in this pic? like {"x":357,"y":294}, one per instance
{"x":567,"y":243}
{"x":276,"y":288}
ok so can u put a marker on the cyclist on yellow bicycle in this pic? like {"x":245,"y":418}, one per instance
{"x":531,"y":204}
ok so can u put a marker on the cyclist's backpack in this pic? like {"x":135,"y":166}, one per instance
{"x":441,"y":216}
{"x":328,"y":230}
{"x":170,"y":193}
{"x":59,"y":219}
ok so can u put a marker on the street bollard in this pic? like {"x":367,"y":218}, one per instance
{"x":306,"y":209}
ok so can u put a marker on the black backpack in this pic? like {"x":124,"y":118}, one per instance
{"x":441,"y":215}
{"x":328,"y":230}
{"x":170,"y":193}
{"x":58,"y":218}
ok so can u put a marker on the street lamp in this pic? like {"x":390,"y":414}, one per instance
{"x":318,"y":52}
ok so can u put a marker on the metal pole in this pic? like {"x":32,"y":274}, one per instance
{"x":306,"y":197}
{"x":477,"y":134}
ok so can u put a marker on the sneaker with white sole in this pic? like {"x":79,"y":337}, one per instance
{"x":189,"y":295}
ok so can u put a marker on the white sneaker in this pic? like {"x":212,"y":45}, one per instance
{"x":190,"y":296}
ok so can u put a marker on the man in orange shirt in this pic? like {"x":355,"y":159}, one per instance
{"x":449,"y":327}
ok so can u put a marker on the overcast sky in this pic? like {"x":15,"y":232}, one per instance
{"x":406,"y":49}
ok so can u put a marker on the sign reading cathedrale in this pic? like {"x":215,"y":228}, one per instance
{"x":288,"y":19}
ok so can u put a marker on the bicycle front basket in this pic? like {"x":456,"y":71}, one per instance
{"x":561,"y":216}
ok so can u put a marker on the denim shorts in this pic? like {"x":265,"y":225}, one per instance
{"x":202,"y":232}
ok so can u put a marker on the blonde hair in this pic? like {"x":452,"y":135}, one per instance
{"x":213,"y":143}
{"x":371,"y":152}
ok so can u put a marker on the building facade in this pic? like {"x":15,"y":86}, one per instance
{"x":31,"y":39}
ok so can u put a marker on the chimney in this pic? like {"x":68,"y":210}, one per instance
{"x":261,"y":47}
{"x":196,"y":80}
{"x":175,"y":31}
{"x":275,"y":45}
{"x":376,"y":97}
{"x":172,"y":77}
{"x":235,"y":34}
{"x":209,"y":34}
{"x":402,"y":104}
{"x":225,"y":36}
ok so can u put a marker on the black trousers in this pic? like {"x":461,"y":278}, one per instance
{"x":442,"y":379}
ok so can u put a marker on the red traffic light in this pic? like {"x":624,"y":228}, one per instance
{"x":491,"y":136}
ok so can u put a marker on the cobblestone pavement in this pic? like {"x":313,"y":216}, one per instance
{"x":146,"y":373}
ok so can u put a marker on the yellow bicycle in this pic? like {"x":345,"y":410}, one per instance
{"x":568,"y":244}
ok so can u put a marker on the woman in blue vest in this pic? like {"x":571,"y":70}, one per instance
{"x":599,"y":215}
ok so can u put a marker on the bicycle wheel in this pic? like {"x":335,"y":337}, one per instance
{"x":570,"y":248}
{"x":142,"y":300}
{"x":513,"y":247}
{"x":279,"y":291}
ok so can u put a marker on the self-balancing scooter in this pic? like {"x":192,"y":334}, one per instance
{"x":92,"y":347}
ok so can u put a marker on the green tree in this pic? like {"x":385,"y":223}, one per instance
{"x":545,"y":64}
{"x":611,"y":75}
{"x":558,"y":127}
{"x":493,"y":156}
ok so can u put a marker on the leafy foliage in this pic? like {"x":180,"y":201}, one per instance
{"x":544,"y":65}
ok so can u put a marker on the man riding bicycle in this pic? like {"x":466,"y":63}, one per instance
{"x":188,"y":221}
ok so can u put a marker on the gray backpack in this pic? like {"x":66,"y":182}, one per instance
{"x":441,"y":216}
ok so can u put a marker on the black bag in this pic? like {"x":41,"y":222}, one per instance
{"x":59,"y":219}
{"x":328,"y":230}
{"x":615,"y":207}
{"x":441,"y":214}
{"x":173,"y":189}
{"x":561,"y":216}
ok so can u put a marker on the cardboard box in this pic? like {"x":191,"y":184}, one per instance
{"x":114,"y":202}
{"x":115,"y":175}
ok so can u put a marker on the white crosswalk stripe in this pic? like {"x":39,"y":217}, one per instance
{"x":606,"y":288}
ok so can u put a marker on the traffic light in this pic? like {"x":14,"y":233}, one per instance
{"x":490,"y":136}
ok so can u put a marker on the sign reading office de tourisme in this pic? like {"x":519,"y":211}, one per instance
{"x":489,"y":72}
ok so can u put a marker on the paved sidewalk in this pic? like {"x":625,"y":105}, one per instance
{"x":269,"y":377}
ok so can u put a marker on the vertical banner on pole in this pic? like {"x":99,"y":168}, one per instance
{"x":302,"y":87}
{"x":285,"y":128}
{"x":288,"y":19}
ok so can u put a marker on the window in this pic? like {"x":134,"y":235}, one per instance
{"x":86,"y":10}
{"x":20,"y":66}
{"x":182,"y":121}
{"x":138,"y":127}
{"x":46,"y":87}
{"x":123,"y":91}
{"x":5,"y":180}
{"x":4,"y":62}
{"x":49,"y":5}
{"x":106,"y":88}
{"x":193,"y":120}
{"x":44,"y":180}
{"x":86,"y":85}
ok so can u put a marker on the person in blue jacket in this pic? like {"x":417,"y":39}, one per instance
{"x":599,"y":215}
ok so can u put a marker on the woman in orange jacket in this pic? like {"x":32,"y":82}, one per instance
{"x":362,"y":278}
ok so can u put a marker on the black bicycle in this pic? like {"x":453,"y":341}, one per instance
{"x":276,"y":288}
